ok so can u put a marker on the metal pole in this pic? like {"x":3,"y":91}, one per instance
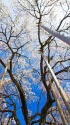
{"x":59,"y":107}
{"x":60,"y":89}
{"x":58,"y":35}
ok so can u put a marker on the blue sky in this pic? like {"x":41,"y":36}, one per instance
{"x":7,"y":3}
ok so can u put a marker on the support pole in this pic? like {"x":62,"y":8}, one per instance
{"x":59,"y":107}
{"x":65,"y":98}
{"x":58,"y":35}
{"x":4,"y":73}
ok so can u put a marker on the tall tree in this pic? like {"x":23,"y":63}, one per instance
{"x":23,"y":45}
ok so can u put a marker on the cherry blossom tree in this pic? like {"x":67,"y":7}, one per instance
{"x":22,"y":43}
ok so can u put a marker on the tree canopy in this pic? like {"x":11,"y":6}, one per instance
{"x":28,"y":94}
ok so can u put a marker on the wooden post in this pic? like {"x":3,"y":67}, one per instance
{"x":4,"y":73}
